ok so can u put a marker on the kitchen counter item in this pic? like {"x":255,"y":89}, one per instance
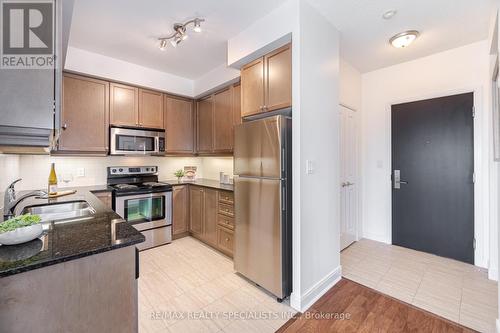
{"x":21,"y":235}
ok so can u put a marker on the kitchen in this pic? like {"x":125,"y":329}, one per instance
{"x":228,"y":166}
{"x":134,"y":158}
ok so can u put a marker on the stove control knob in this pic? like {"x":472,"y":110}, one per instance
{"x":147,"y":169}
{"x":113,"y":171}
{"x":121,"y":170}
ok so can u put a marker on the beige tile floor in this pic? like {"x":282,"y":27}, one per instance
{"x":187,"y":286}
{"x":454,"y":290}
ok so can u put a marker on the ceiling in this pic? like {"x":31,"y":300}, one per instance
{"x":443,"y":24}
{"x":128,"y":30}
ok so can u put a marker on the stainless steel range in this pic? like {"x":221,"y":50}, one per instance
{"x":144,"y":202}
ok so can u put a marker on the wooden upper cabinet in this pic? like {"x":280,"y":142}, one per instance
{"x":252,"y":88}
{"x":179,"y":125}
{"x":196,"y":210}
{"x":266,"y":83}
{"x":237,"y":104}
{"x":278,"y":74}
{"x":223,"y":121}
{"x":124,"y":105}
{"x":180,"y":209}
{"x":150,"y":109}
{"x":84,"y":115}
{"x":204,"y":126}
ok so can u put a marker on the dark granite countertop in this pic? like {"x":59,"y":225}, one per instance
{"x":69,"y":239}
{"x":202,"y":182}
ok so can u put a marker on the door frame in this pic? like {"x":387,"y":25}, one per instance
{"x":481,"y":169}
{"x":358,"y":178}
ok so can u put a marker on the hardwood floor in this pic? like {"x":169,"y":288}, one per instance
{"x":356,"y":308}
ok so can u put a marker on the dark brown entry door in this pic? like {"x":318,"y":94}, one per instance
{"x":432,"y":176}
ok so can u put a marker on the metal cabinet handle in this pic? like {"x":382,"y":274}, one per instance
{"x":64,"y":126}
{"x":227,"y":239}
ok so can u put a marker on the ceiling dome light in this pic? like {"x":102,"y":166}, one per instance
{"x":389,"y":14}
{"x":404,"y":39}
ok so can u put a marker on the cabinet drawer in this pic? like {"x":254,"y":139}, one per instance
{"x":226,"y":209}
{"x":225,"y":240}
{"x":226,"y":197}
{"x":225,"y":221}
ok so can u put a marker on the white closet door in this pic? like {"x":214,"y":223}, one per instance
{"x":348,"y":177}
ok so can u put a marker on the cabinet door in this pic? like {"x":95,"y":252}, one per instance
{"x":223,"y":121}
{"x":278,"y":74}
{"x":124,"y":105}
{"x":210,"y":217}
{"x":84,"y":115}
{"x":236,"y":105}
{"x":252,"y":88}
{"x":150,"y":109}
{"x":205,"y":125}
{"x":180,"y":203}
{"x":179,"y":125}
{"x":196,"y":210}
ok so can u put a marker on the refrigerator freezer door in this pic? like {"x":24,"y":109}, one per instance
{"x":258,"y":148}
{"x":258,"y":242}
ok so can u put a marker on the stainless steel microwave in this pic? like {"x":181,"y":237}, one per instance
{"x":136,"y":141}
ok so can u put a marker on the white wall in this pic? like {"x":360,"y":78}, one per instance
{"x":94,"y":64}
{"x":9,"y":169}
{"x":454,"y":71}
{"x":350,"y":86}
{"x":215,"y":79}
{"x":315,"y":100}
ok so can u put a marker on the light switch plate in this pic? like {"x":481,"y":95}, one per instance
{"x":309,"y":167}
{"x":80,"y":172}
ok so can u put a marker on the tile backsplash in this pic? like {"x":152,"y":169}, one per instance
{"x":85,"y":171}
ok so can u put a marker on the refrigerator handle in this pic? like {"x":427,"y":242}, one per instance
{"x":283,"y":198}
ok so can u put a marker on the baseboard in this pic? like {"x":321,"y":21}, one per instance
{"x":320,"y":288}
{"x":493,"y":274}
{"x":376,"y":237}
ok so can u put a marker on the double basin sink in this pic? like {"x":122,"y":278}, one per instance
{"x":61,"y":211}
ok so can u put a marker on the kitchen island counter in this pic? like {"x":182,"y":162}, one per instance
{"x":69,"y":239}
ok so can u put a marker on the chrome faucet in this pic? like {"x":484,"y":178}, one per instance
{"x":10,"y":200}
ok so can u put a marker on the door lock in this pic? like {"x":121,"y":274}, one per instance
{"x":397,"y":180}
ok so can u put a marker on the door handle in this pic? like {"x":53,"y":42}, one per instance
{"x":347,"y":184}
{"x":397,"y":180}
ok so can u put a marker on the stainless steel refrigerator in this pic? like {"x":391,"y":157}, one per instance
{"x":263,"y":202}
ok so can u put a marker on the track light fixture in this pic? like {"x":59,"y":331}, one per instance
{"x":180,"y":33}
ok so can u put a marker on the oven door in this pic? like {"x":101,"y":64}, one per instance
{"x":145,"y":211}
{"x":127,"y":141}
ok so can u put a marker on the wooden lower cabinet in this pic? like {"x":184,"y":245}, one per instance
{"x":206,"y":222}
{"x":225,"y":240}
{"x":180,"y":210}
{"x":196,"y":210}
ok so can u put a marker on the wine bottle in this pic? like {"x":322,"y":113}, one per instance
{"x":53,"y":180}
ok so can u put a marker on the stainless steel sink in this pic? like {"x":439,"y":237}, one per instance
{"x":61,"y":211}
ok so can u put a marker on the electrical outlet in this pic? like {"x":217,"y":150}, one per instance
{"x":80,"y":172}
